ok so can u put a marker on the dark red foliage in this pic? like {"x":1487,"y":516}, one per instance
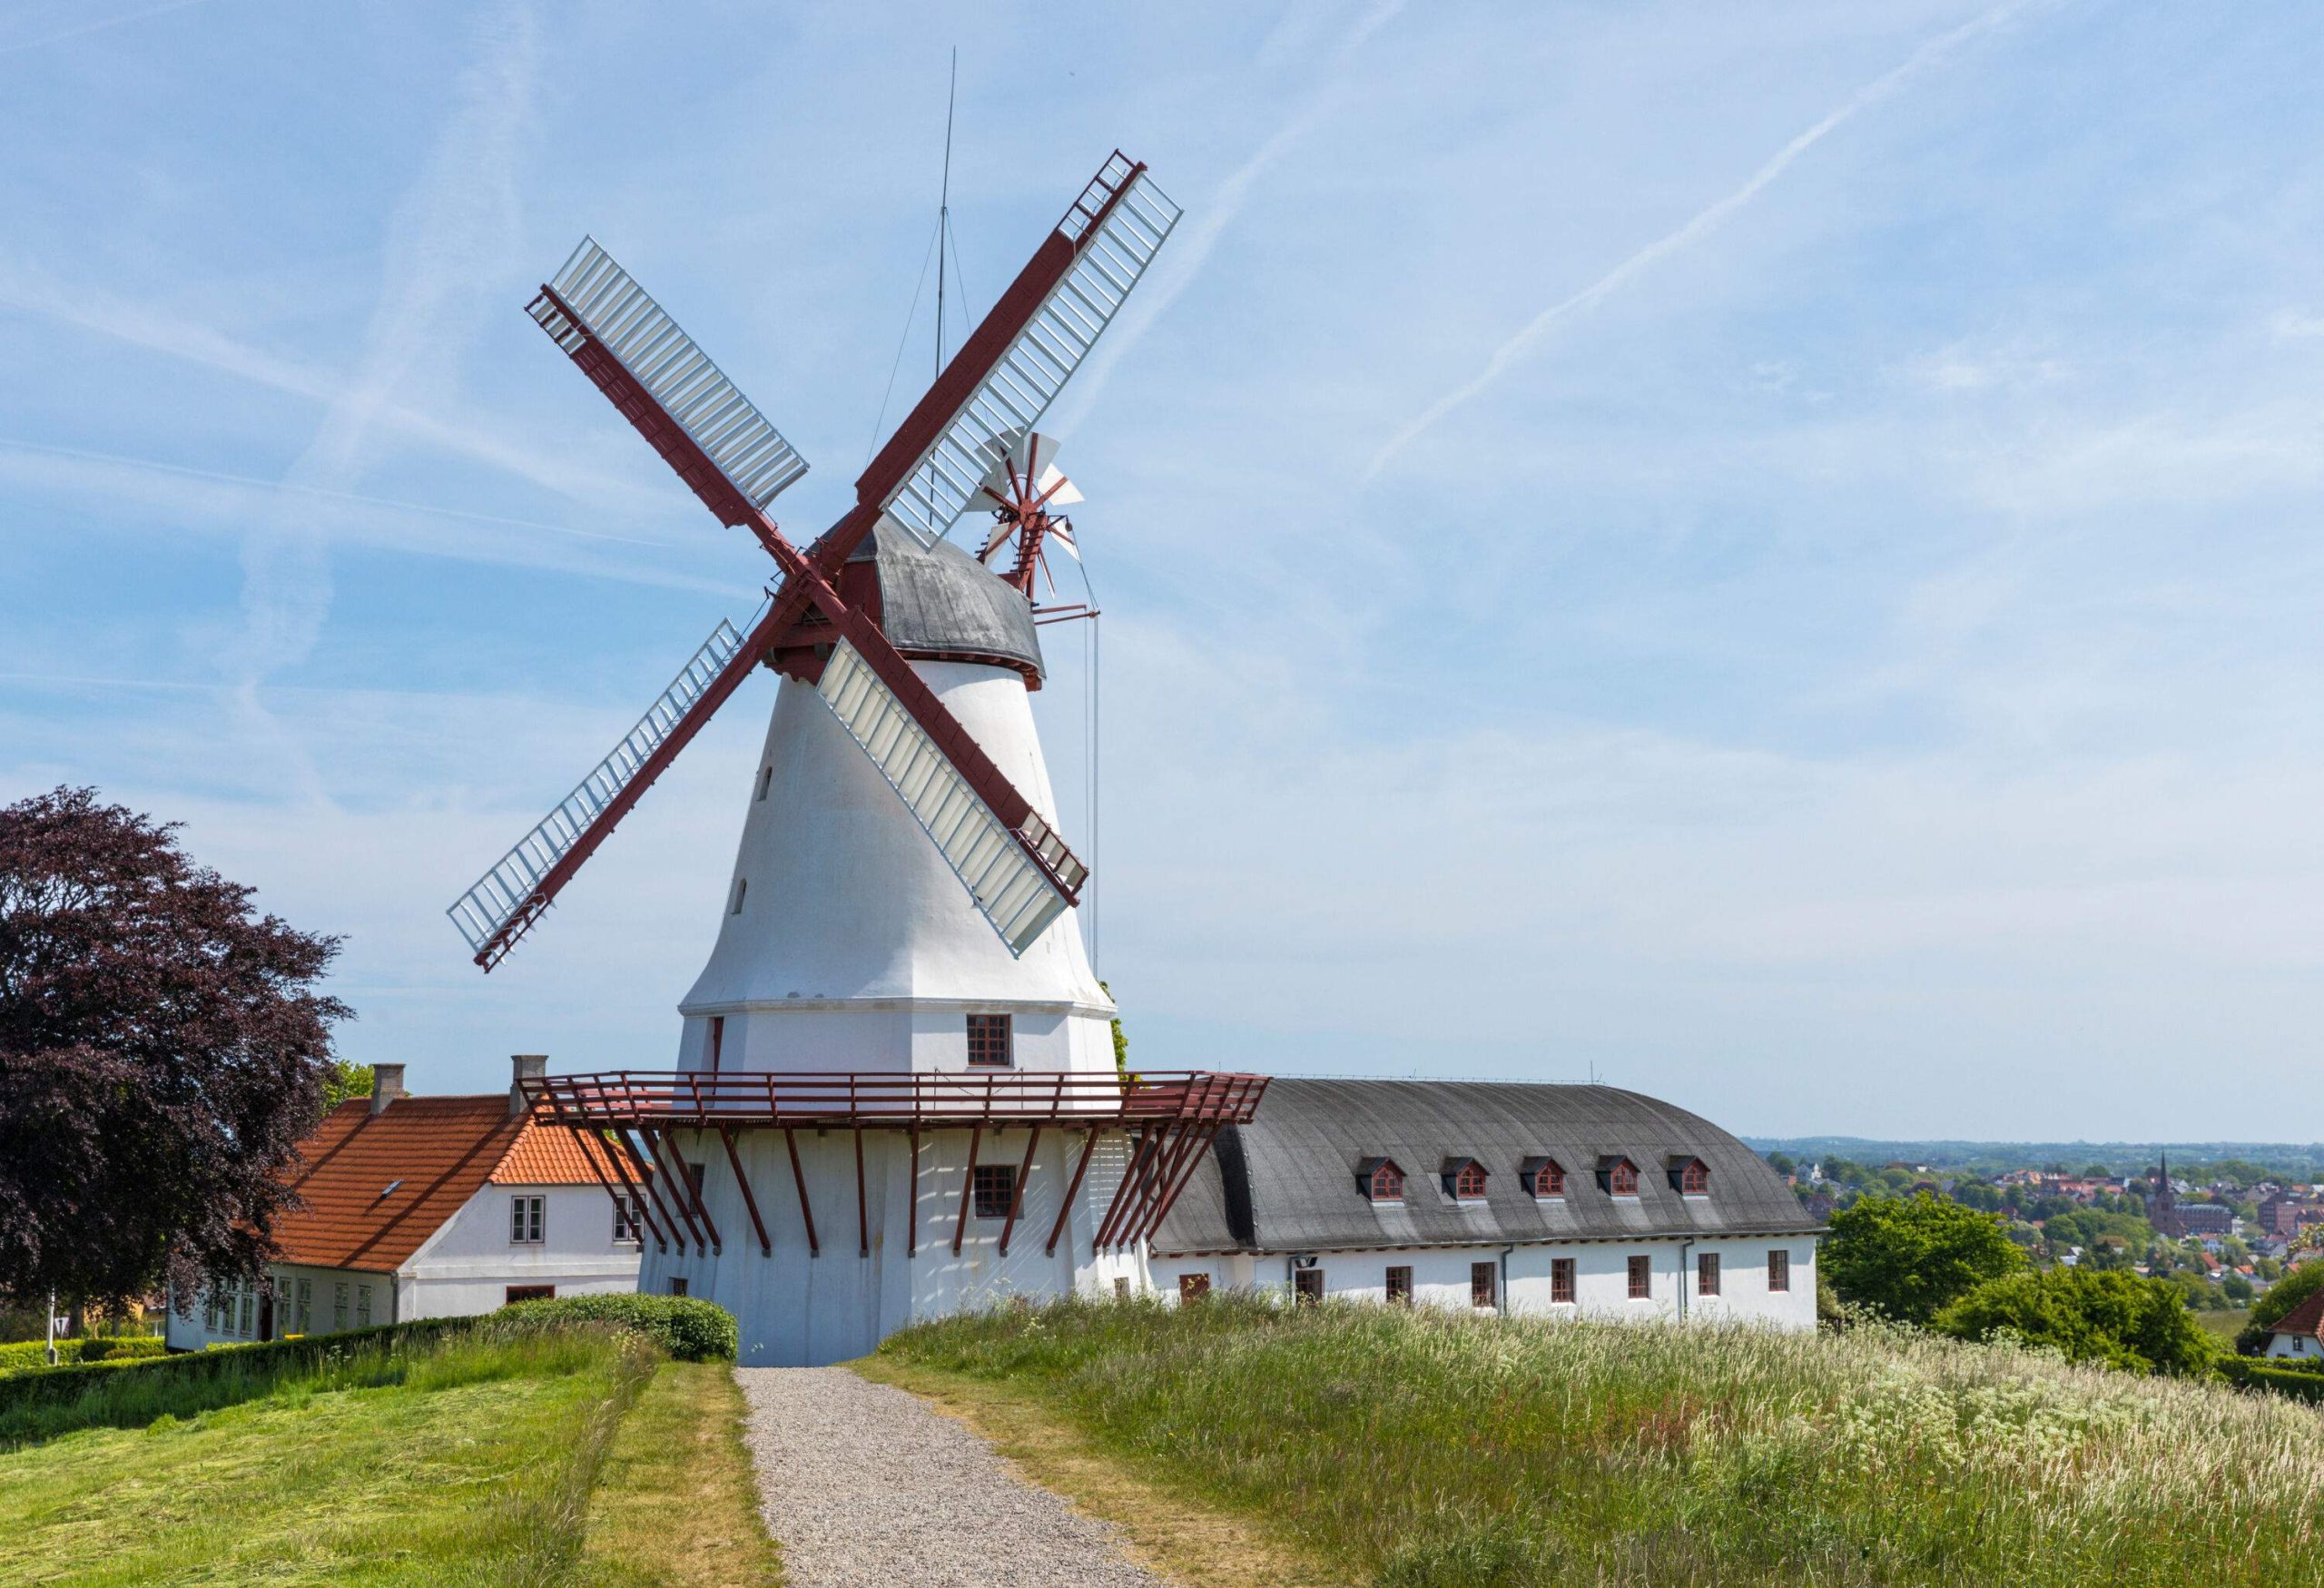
{"x":162,"y":1052}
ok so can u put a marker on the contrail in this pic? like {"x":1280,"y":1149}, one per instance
{"x":89,"y":27}
{"x":1191,"y":248}
{"x":1703,"y":223}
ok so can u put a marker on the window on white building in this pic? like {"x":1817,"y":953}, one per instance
{"x":628,"y":1226}
{"x":1706,"y":1273}
{"x":1778,"y":1270}
{"x":338,"y":1307}
{"x":249,"y":1311}
{"x":1400,"y":1286}
{"x":991,"y":1043}
{"x":1561,"y":1278}
{"x":306,"y":1307}
{"x":1484,"y":1290}
{"x":362,"y":1307}
{"x":1641,"y":1278}
{"x":526,"y":1219}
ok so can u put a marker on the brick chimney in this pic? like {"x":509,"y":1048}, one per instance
{"x":386,"y":1085}
{"x":524,"y":1067}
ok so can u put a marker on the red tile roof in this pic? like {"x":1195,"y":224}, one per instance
{"x":377,"y":1186}
{"x":2306,"y":1318}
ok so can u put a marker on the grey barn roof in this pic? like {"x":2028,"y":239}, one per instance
{"x":1287,"y":1181}
{"x":942,"y":602}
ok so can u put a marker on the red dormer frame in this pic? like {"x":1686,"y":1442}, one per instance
{"x":1617,"y":1175}
{"x":1381,"y":1179}
{"x":1464,"y":1180}
{"x":1546,"y":1178}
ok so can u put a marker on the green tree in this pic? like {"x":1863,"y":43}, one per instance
{"x":2285,"y":1293}
{"x":1121,"y":1042}
{"x":1910,"y":1256}
{"x":2237,"y":1289}
{"x":2116,"y":1318}
{"x":344,"y":1080}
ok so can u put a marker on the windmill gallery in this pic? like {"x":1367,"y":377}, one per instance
{"x":896,"y":1094}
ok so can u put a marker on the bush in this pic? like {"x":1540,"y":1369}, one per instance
{"x":2112,"y":1317}
{"x":32,"y":1356}
{"x":2302,"y":1384}
{"x":688,"y":1327}
{"x":1910,"y":1256}
{"x":2282,"y":1296}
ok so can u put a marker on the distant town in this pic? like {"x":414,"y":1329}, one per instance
{"x":2222,"y":1220}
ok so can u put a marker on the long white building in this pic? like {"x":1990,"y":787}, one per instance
{"x":1574,"y":1201}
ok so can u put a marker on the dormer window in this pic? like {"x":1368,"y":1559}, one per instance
{"x":1544,"y":1176}
{"x":1380,"y":1179}
{"x":1689,"y":1175}
{"x":1617,"y":1175}
{"x":1464,"y":1180}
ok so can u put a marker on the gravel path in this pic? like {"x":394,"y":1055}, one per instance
{"x":865,"y":1488}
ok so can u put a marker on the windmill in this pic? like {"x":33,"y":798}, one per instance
{"x":974,"y":424}
{"x":1023,"y":486}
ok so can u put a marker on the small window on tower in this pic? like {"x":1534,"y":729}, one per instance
{"x":996,"y":1189}
{"x":742,"y":887}
{"x":766,"y":780}
{"x":990,"y":1041}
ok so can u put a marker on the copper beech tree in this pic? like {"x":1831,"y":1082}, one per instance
{"x":163,"y":1048}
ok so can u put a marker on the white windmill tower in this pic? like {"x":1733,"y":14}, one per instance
{"x":896,"y":1038}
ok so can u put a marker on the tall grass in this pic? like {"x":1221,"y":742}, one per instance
{"x":1423,"y":1449}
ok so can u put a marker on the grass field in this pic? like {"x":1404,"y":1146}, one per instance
{"x":1413,"y":1448}
{"x":500,"y":1457}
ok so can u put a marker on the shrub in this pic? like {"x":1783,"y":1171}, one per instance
{"x":688,"y":1327}
{"x":32,"y":1356}
{"x":2112,"y":1317}
{"x":1911,"y":1256}
{"x":2301,"y":1383}
{"x":2282,"y":1296}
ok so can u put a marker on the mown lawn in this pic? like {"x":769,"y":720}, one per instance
{"x":485,"y":1459}
{"x":1415,"y":1448}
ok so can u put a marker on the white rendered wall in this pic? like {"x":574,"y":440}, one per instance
{"x":194,"y":1333}
{"x":1602,"y":1278}
{"x":798,"y":1310}
{"x":855,"y":947}
{"x":467,"y":1267}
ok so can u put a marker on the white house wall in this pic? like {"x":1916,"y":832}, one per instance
{"x":1441,"y":1277}
{"x":795,"y":1309}
{"x":467,"y":1267}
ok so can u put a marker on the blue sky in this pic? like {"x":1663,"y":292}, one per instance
{"x":1767,"y":552}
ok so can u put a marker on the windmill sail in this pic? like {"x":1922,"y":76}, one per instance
{"x":508,"y":899}
{"x":594,"y":310}
{"x":1112,"y":233}
{"x":1020,"y":895}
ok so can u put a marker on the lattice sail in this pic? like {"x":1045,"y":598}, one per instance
{"x":503,"y":894}
{"x":739,"y":442}
{"x":1013,"y":890}
{"x":1026,"y":379}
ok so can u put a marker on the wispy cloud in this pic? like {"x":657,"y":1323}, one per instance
{"x":454,"y":223}
{"x":83,"y":28}
{"x":1190,"y":247}
{"x":1700,"y":225}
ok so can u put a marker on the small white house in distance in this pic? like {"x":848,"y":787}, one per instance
{"x":419,"y":1206}
{"x":1553,"y":1201}
{"x":2299,"y":1333}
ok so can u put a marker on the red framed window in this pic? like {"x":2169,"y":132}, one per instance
{"x":996,"y":1189}
{"x":1387,"y":1184}
{"x":990,"y":1043}
{"x":1307,"y":1286}
{"x":1484,"y":1288}
{"x":1468,"y":1184}
{"x":1706,"y":1273}
{"x":1561,"y":1278}
{"x":1641,"y":1278}
{"x":1623,"y":1178}
{"x":1400,"y":1286}
{"x":1694,"y":1180}
{"x":1549,"y":1180}
{"x":1191,"y":1288}
{"x":1778,"y":1270}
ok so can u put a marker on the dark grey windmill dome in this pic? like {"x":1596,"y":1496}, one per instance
{"x":939,"y":603}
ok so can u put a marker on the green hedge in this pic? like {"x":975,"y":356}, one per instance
{"x":2303,"y":1384}
{"x":24,"y":1354}
{"x":688,"y":1327}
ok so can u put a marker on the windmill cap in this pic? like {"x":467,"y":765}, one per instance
{"x":938,"y":603}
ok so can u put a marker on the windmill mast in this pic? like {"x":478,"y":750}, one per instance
{"x":944,"y":207}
